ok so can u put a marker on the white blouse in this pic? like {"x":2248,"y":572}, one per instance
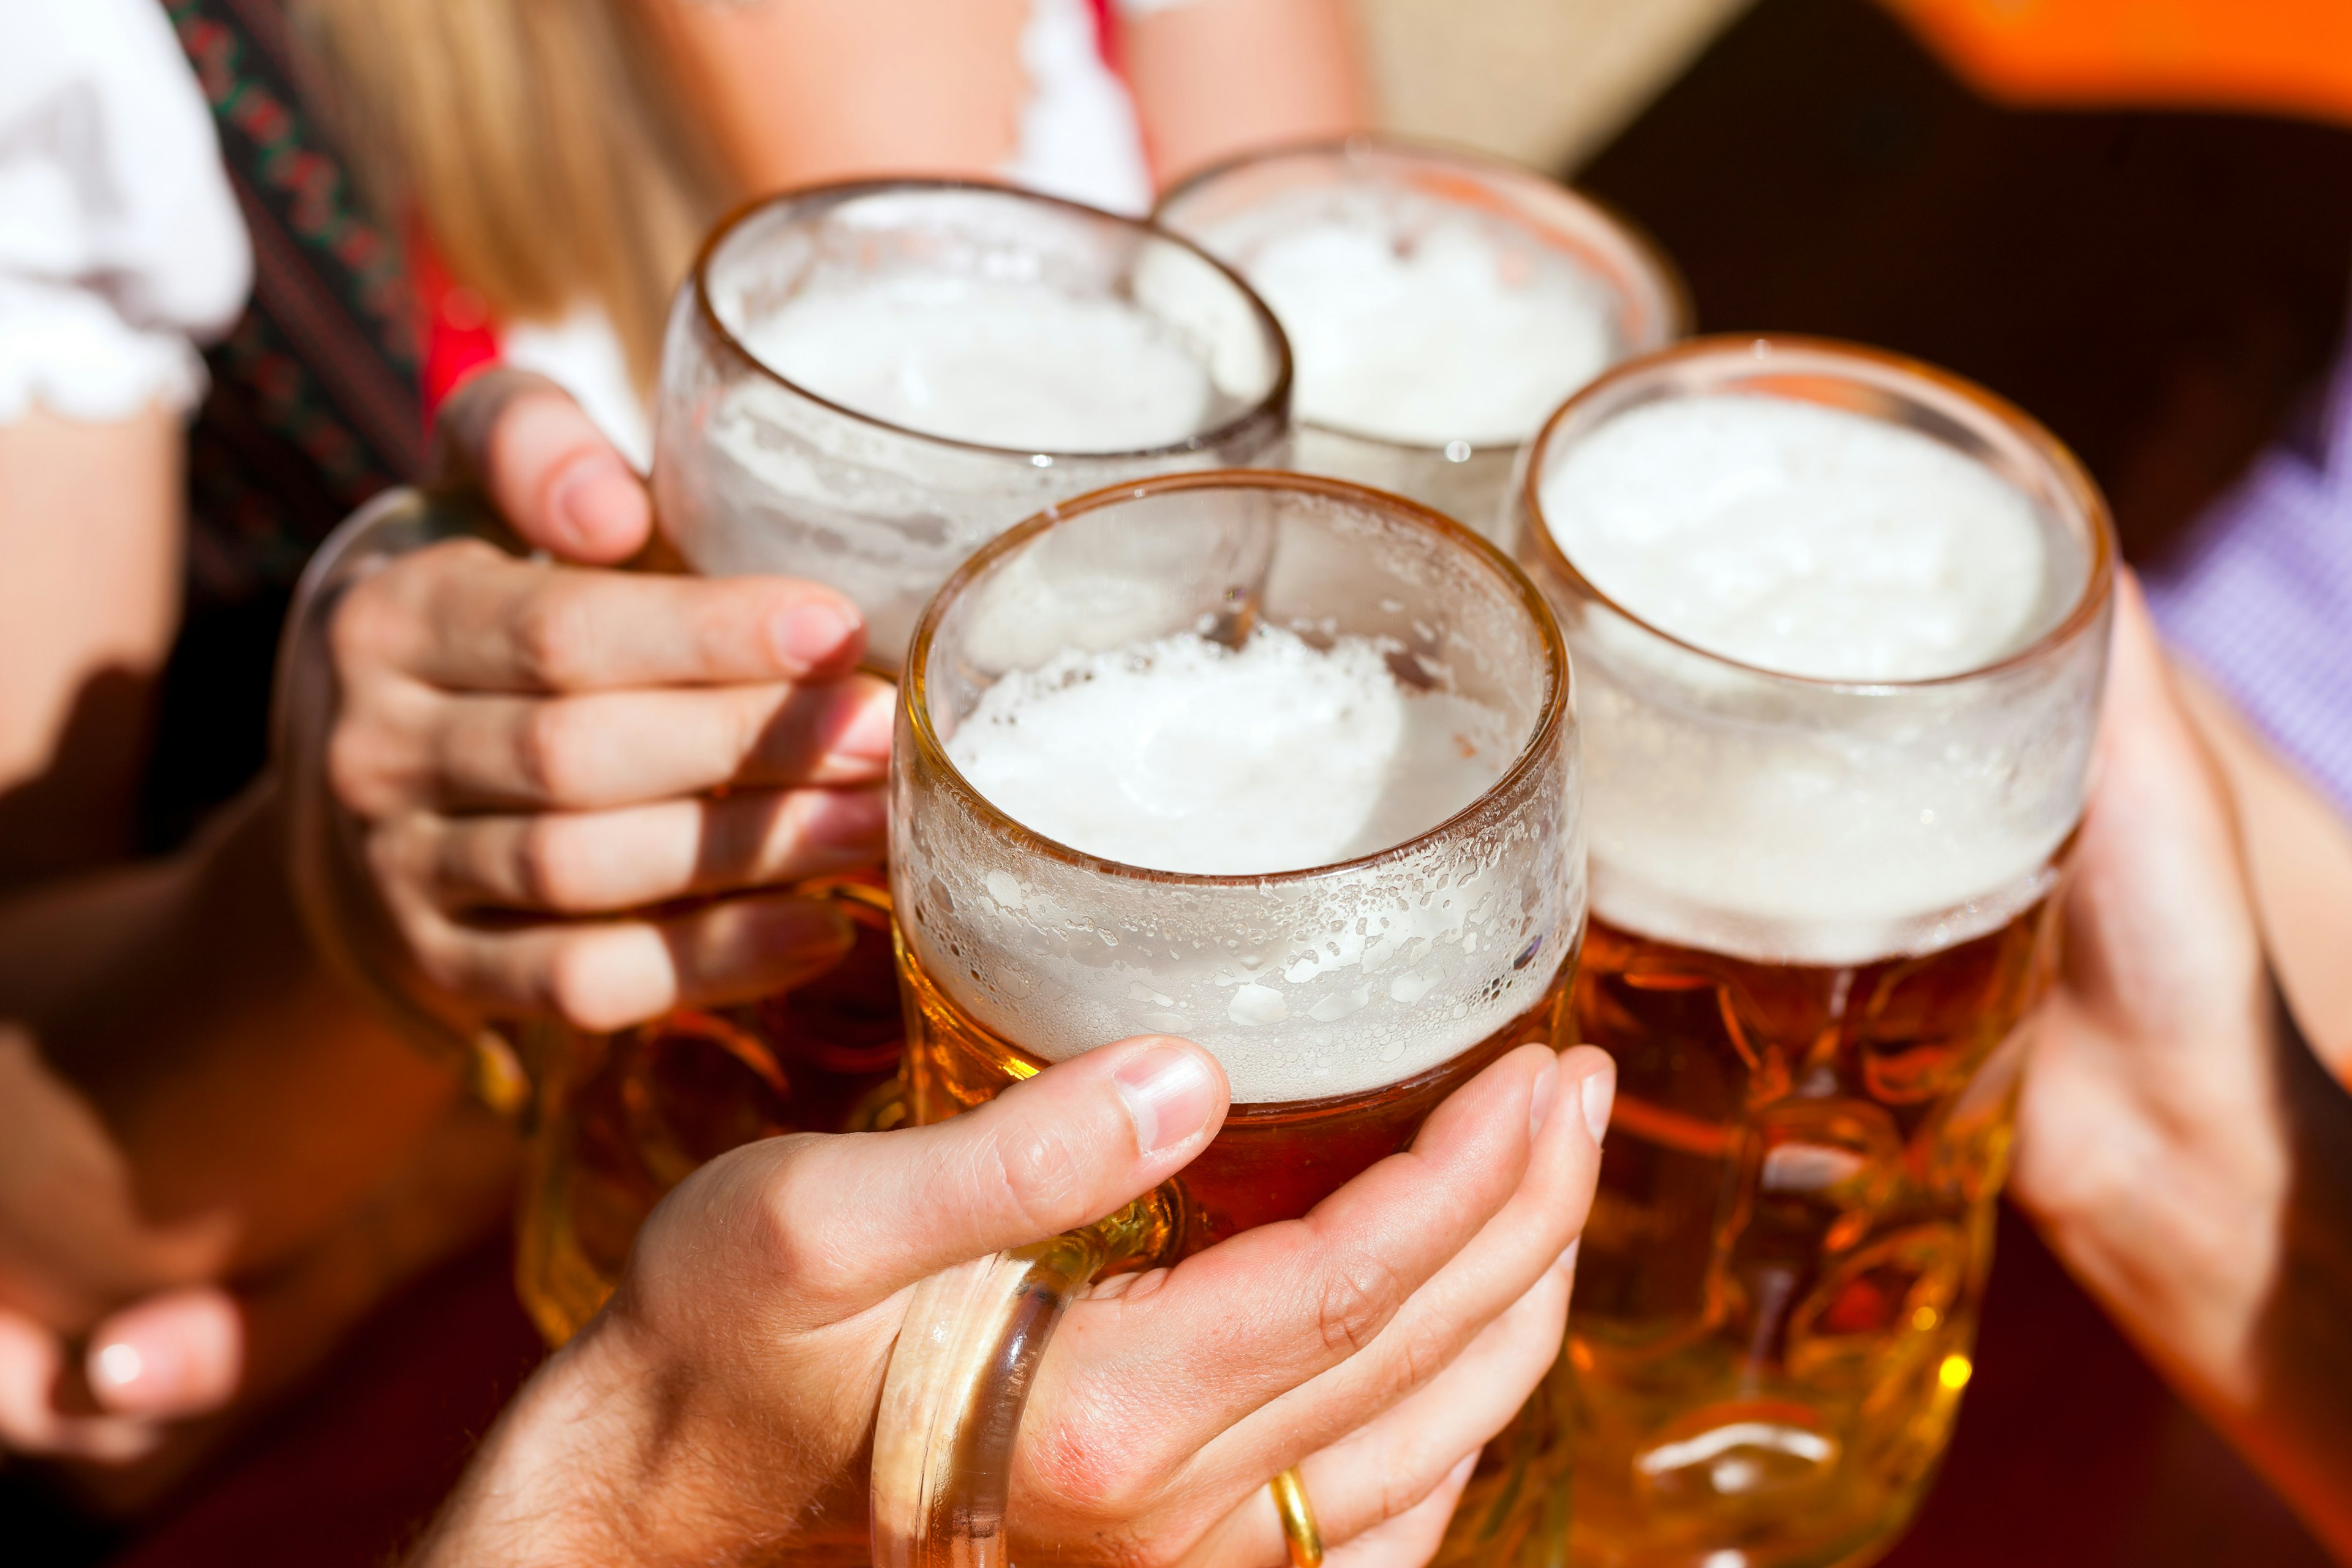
{"x":121,"y":246}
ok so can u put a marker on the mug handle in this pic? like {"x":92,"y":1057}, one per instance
{"x":960,"y":1377}
{"x":347,"y":927}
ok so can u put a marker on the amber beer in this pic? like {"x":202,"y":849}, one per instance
{"x":1061,"y":349}
{"x":1269,"y":762}
{"x":1840,"y":626}
{"x":1270,"y":1161}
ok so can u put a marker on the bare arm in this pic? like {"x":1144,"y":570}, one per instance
{"x":2299,"y":859}
{"x":2177,"y":1143}
{"x":89,"y":530}
{"x":1216,"y":77}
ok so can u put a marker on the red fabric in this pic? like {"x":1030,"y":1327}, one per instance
{"x":350,"y":1473}
{"x":2070,"y":1452}
{"x":458,"y":338}
{"x":1106,"y":33}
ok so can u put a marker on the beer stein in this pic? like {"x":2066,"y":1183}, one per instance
{"x":1440,"y":305}
{"x":860,"y":385}
{"x":1840,"y":625}
{"x":1132,"y":682}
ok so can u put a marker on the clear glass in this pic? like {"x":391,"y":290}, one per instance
{"x":754,"y":472}
{"x":1345,"y":1001}
{"x":1776,"y":1297}
{"x":1536,"y":237}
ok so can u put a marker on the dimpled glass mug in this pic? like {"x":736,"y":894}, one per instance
{"x":1368,"y":910}
{"x":861,"y":385}
{"x":1440,"y":305}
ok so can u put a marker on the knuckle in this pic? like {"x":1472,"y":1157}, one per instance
{"x":554,"y":635}
{"x":552,"y":751}
{"x":798,"y":1248}
{"x":363,"y":632}
{"x":1042,"y":1175}
{"x":1084,"y":1461}
{"x":361,"y":771}
{"x":1355,"y":1301}
{"x":555,"y":871}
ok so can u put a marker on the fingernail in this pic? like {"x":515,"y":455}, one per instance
{"x":1600,"y":1092}
{"x":598,"y":502}
{"x":1566,"y":1261}
{"x":1539,"y":1097}
{"x":137,"y":1372}
{"x":814,"y":633}
{"x":1459,"y":1476}
{"x":1169,"y":1095}
{"x":866,"y":736}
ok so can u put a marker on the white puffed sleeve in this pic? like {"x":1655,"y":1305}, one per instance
{"x":120,"y":244}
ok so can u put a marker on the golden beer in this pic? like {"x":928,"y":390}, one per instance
{"x":1269,"y":762}
{"x":768,"y":461}
{"x":1778,"y":1285}
{"x":1838,"y":624}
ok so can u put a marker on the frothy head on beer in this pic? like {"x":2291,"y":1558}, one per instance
{"x":863,"y":383}
{"x":1270,"y":762}
{"x":1181,"y":753}
{"x":1429,"y":297}
{"x":1838,"y":625}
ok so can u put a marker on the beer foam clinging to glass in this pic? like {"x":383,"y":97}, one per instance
{"x":1419,"y":324}
{"x":1182,"y":754}
{"x":997,"y":363}
{"x":1790,"y":821}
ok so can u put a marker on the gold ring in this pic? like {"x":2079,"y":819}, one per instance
{"x":1299,"y":1530}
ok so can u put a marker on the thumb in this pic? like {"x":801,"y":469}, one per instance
{"x":546,"y":468}
{"x":844,"y":1221}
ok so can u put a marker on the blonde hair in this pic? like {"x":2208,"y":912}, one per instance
{"x":540,"y":143}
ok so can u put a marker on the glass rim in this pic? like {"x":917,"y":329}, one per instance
{"x":1673,"y":293}
{"x":2074,"y":481}
{"x":915,"y":679}
{"x":1274,"y":403}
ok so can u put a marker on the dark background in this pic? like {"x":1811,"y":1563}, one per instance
{"x":2162,"y":290}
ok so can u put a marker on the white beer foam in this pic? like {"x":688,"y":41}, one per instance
{"x":1791,"y":823}
{"x":1416,"y":324}
{"x":999,"y":364}
{"x":1801,"y":539}
{"x":1183,"y":754}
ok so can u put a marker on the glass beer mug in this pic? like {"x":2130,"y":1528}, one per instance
{"x":1840,"y":625}
{"x":1120,"y":804}
{"x":860,"y":385}
{"x":1440,"y":305}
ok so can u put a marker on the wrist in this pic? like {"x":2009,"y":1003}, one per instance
{"x":561,"y":1479}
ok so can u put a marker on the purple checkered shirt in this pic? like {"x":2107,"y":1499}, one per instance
{"x":2261,"y":597}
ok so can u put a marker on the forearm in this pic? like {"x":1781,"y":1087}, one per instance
{"x":1217,"y":78}
{"x":2219,"y":1235}
{"x":232,"y":1074}
{"x":2298,"y":1428}
{"x":90,"y":526}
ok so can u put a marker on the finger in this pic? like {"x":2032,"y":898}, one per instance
{"x":31,"y":1362}
{"x":845,"y":1222}
{"x":545,"y":465}
{"x":578,"y":863}
{"x":1322,"y":1287}
{"x":467,"y":617}
{"x":1412,"y":1538}
{"x":1385,"y":1471}
{"x":1511,"y":1253}
{"x":621,"y":748}
{"x":602,"y":975}
{"x":178,"y":1355}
